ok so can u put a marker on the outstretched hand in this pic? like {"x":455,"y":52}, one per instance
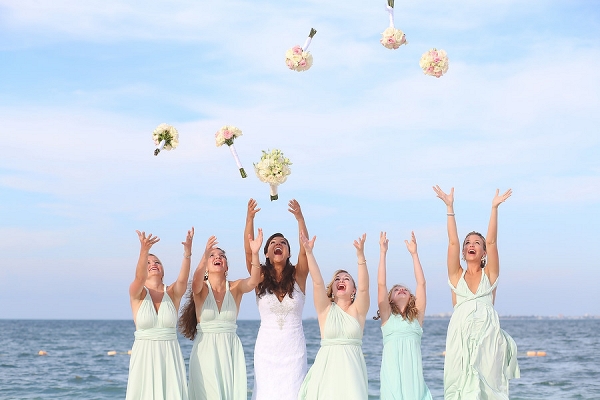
{"x":307,"y":244}
{"x":448,"y":199}
{"x":211,"y":244}
{"x":147,"y":242}
{"x":383,"y":242}
{"x":252,"y":209}
{"x":294,"y":208}
{"x":187,"y":245}
{"x":412,"y":245}
{"x":256,"y":243}
{"x":359,"y":244}
{"x":499,"y":199}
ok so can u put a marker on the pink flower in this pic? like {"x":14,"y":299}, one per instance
{"x":297,"y":50}
{"x":290,"y":64}
{"x":391,"y":40}
{"x":227,"y":134}
{"x":302,"y":63}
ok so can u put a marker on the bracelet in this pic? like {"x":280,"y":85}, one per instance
{"x":450,"y":214}
{"x":255,"y":266}
{"x":184,"y":256}
{"x":361,"y":263}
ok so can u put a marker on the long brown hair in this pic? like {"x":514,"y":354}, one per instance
{"x":411,"y":312}
{"x":187,"y":320}
{"x":288,"y":275}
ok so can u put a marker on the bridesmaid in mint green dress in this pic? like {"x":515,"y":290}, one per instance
{"x":156,"y":367}
{"x":402,"y":315}
{"x":339,"y":370}
{"x":217,"y":363}
{"x":481,"y":358}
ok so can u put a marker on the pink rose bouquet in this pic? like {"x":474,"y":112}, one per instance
{"x":392,"y":38}
{"x":434,"y":62}
{"x":226,"y":135}
{"x":298,"y":58}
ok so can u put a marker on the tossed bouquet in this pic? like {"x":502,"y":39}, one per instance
{"x":226,"y":135}
{"x":165,"y":137}
{"x":434,"y":62}
{"x":298,"y":58}
{"x":273,"y":168}
{"x":392,"y":38}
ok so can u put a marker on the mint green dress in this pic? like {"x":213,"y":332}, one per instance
{"x":401,"y":374}
{"x":156,"y":367}
{"x":480,"y":357}
{"x":217,"y":363}
{"x":339,"y":370}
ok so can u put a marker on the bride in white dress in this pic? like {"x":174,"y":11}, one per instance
{"x":280,"y":350}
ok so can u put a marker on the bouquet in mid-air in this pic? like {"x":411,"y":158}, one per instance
{"x":392,"y":38}
{"x":298,"y":58}
{"x":434,"y":62}
{"x":273,"y":168}
{"x":226,"y":135}
{"x":165,"y":137}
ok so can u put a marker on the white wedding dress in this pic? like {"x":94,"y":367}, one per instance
{"x":280,"y":350}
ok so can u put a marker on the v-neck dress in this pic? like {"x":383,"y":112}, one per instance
{"x":217,"y":363}
{"x":480,"y":357}
{"x":156,"y":368}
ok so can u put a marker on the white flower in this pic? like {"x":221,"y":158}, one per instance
{"x":165,"y":137}
{"x":273,"y":168}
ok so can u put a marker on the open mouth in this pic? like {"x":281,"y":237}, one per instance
{"x":278,"y":251}
{"x":218,"y":262}
{"x":341,"y":286}
{"x":471,"y":251}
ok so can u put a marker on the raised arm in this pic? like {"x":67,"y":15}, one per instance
{"x":245,"y":285}
{"x":249,"y":230}
{"x":302,"y":265}
{"x":198,"y":279}
{"x":382,"y":291}
{"x":363,"y":300}
{"x":421,"y":291}
{"x":141,"y":270}
{"x":180,"y":285}
{"x":492,"y":268}
{"x":454,"y":268}
{"x":322,"y":302}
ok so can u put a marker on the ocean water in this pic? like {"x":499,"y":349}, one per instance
{"x":77,"y":365}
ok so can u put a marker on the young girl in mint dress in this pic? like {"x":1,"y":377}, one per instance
{"x":480,"y":357}
{"x":402,"y":315}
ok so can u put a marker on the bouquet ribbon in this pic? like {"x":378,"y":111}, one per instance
{"x":390,"y":10}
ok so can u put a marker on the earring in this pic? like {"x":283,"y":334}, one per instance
{"x":352,"y":296}
{"x":225,"y":274}
{"x":206,"y":275}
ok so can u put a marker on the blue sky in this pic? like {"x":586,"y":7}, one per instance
{"x":85,"y":83}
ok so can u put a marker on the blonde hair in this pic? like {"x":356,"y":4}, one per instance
{"x":330,"y":285}
{"x":411,"y":312}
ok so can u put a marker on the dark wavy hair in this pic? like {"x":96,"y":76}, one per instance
{"x":411,"y":312}
{"x":187,"y":320}
{"x":483,"y":260}
{"x":269,"y":283}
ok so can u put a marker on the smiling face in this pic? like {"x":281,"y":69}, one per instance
{"x":155,"y":267}
{"x":342,"y":285}
{"x":399,"y":295}
{"x":277,"y":249}
{"x":474,"y":247}
{"x":217,"y":261}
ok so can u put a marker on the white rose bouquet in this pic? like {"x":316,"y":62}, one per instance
{"x":165,"y":137}
{"x":273,"y":168}
{"x":298,"y":58}
{"x":392,"y":38}
{"x":434,"y":62}
{"x":226,"y":135}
